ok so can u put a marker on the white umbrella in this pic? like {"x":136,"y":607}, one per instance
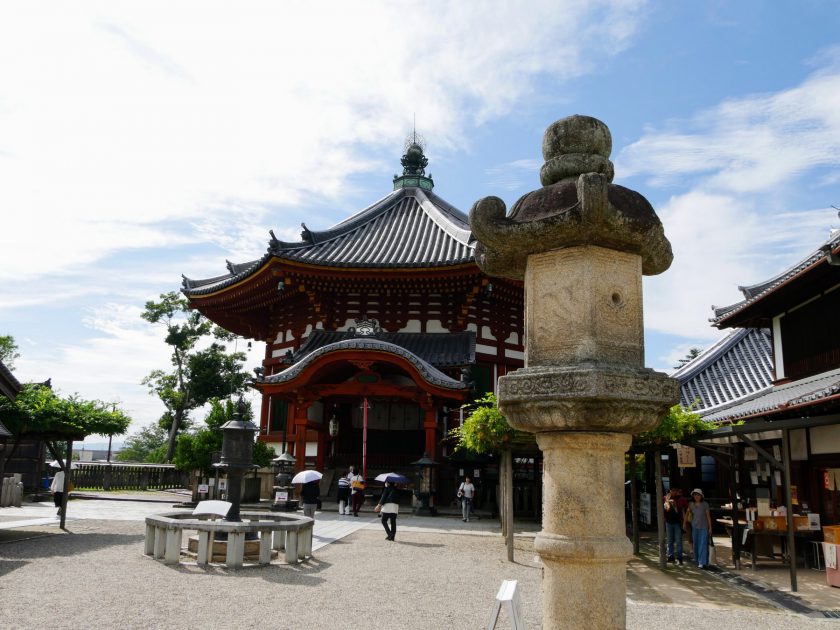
{"x":305,"y":476}
{"x":392,"y":477}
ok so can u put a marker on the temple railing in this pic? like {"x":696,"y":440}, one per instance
{"x":119,"y":476}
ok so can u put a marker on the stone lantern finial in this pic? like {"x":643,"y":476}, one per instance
{"x":573,"y":146}
{"x":577,"y":205}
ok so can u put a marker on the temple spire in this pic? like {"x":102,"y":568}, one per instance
{"x":414,"y":163}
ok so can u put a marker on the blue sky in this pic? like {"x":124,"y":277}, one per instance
{"x":142,"y":141}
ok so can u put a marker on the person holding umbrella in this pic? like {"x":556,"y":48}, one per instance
{"x":389,"y":507}
{"x":310,"y":492}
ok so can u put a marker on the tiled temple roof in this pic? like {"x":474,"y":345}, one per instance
{"x":441,"y":350}
{"x":738,"y":367}
{"x":779,"y":398}
{"x":756,"y":292}
{"x":371,"y":344}
{"x":408,"y":228}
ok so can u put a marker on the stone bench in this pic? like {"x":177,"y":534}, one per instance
{"x":289,"y":533}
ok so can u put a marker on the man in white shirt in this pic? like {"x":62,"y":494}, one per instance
{"x":344,"y":494}
{"x":357,"y":491}
{"x":466,"y":492}
{"x":57,"y":487}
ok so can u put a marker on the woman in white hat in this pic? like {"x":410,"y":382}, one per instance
{"x":700,"y":517}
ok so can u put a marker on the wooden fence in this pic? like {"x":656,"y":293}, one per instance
{"x":117,"y":476}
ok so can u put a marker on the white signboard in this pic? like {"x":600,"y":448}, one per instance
{"x":222,"y":484}
{"x":644,"y":508}
{"x":686,"y":457}
{"x":203,"y":488}
{"x":281,"y":496}
{"x":508,"y":596}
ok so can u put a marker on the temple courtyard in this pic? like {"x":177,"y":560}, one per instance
{"x":440,"y":573}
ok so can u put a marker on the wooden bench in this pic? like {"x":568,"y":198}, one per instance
{"x":290,"y":533}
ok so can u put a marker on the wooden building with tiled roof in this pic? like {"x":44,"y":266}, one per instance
{"x":389,"y":307}
{"x":773,"y":386}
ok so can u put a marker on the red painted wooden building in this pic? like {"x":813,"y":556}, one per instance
{"x":387,"y":306}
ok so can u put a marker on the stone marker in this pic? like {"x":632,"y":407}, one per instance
{"x":581,"y":244}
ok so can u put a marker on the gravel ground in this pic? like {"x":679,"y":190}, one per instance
{"x":424,"y":580}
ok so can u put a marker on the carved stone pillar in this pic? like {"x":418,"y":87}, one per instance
{"x":581,"y":245}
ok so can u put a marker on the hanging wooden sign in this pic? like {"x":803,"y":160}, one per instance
{"x":686,"y":457}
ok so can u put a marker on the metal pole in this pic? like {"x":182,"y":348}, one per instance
{"x":364,"y":436}
{"x":733,"y":491}
{"x":789,"y":506}
{"x":109,"y":448}
{"x":66,"y":489}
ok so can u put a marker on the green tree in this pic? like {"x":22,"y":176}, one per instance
{"x":8,"y":351}
{"x":38,"y":411}
{"x":692,"y":354}
{"x":678,"y":426}
{"x":195,"y":449}
{"x":485,"y":429}
{"x":147,"y":445}
{"x":199,"y":373}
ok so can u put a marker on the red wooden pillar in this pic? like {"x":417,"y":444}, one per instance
{"x":430,"y":426}
{"x":264,"y":414}
{"x":300,"y":435}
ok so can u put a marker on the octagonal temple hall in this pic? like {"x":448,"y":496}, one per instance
{"x":387,"y":306}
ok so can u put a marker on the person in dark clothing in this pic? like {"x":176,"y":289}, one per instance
{"x":309,"y":495}
{"x":674,"y":516}
{"x":389,"y":507}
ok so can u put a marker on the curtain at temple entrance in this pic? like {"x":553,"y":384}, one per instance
{"x":395,"y":433}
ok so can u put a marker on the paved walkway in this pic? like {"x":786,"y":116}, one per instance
{"x":329,"y":527}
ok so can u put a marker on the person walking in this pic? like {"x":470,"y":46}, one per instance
{"x":674,"y":518}
{"x":389,"y":507}
{"x":466,"y":492}
{"x":309,"y":495}
{"x":344,"y":494}
{"x":57,"y":487}
{"x":700,"y":517}
{"x":357,"y":491}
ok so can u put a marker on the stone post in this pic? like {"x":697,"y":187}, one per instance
{"x":581,"y":244}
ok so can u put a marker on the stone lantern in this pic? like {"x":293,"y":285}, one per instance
{"x":581,"y":244}
{"x":237,"y":455}
{"x":425,"y":486}
{"x":285,"y":465}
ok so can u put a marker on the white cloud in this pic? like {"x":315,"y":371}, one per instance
{"x":141,"y":140}
{"x":513,"y":175}
{"x":743,"y":168}
{"x":115,"y":119}
{"x":111,"y":364}
{"x":747,"y":145}
{"x":108,"y":366}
